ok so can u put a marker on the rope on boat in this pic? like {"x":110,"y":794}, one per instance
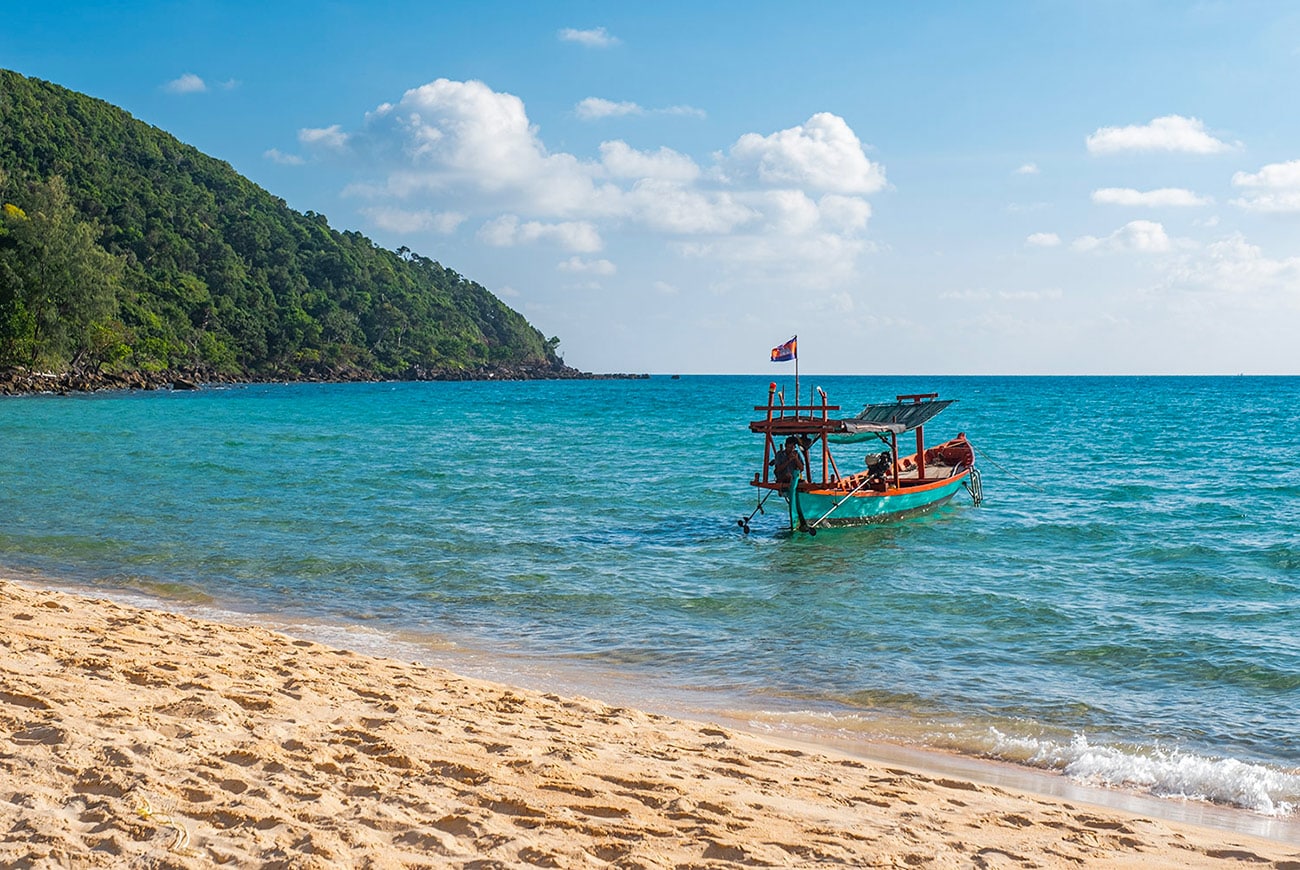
{"x":851,"y":493}
{"x":1005,"y":471}
{"x":743,"y":522}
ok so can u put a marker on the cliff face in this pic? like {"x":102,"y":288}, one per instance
{"x":123,"y":249}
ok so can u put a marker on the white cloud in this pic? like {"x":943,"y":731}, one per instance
{"x":186,"y":84}
{"x":590,"y":267}
{"x":787,"y":206}
{"x":399,"y":220}
{"x":275,"y":155}
{"x":331,"y":137}
{"x":1028,"y":169}
{"x":1147,"y":237}
{"x":841,"y":303}
{"x":671,"y":207}
{"x":622,"y":161}
{"x":594,"y":107}
{"x":847,"y":214}
{"x":1167,"y":133}
{"x":1161,"y":197}
{"x":1275,"y":188}
{"x":408,"y":221}
{"x":596,"y":37}
{"x":446,"y":222}
{"x":1049,"y":295}
{"x":688,"y":111}
{"x":463,"y":136}
{"x":508,"y":231}
{"x":1233,"y":269}
{"x":1043,"y":240}
{"x":823,"y":154}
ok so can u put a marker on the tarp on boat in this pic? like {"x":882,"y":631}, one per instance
{"x":890,"y":415}
{"x":876,"y":421}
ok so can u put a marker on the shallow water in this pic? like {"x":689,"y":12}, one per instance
{"x":1124,"y":607}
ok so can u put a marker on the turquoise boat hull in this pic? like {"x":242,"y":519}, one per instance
{"x":812,"y":509}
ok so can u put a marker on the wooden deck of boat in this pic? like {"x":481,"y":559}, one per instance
{"x":933,"y":471}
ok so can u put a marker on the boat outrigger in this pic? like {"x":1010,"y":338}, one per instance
{"x":890,"y":487}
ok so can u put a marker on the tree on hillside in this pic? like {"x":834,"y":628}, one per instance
{"x":209,"y":270}
{"x":58,"y":288}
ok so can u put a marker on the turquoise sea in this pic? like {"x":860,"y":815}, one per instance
{"x":1123,"y":609}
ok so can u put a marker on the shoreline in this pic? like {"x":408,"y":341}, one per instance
{"x":22,"y":382}
{"x":136,"y":729}
{"x":790,"y":725}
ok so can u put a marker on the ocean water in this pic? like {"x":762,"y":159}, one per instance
{"x":1123,"y":609}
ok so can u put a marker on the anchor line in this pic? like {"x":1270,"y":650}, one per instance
{"x":1005,"y":471}
{"x":744,"y":523}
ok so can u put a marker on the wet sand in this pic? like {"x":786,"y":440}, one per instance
{"x":136,"y":737}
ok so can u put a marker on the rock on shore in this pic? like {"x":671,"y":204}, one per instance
{"x":16,"y":382}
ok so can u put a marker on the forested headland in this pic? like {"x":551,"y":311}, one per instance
{"x":130,"y":258}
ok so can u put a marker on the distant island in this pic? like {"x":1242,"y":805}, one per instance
{"x":129,"y":259}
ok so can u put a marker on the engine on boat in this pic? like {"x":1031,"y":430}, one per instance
{"x":878,"y":465}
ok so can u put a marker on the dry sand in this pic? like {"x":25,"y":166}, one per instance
{"x":146,"y":739}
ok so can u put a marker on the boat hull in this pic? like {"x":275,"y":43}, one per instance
{"x":824,"y":508}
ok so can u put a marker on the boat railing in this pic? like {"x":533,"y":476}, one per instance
{"x":811,"y":420}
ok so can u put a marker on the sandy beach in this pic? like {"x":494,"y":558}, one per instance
{"x":143,"y":738}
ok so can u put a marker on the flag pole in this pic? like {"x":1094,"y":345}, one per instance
{"x":796,"y":374}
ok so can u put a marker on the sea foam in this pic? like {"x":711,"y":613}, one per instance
{"x":1160,"y":771}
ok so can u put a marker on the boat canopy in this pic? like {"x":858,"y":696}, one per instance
{"x":862,"y":427}
{"x":897,"y":417}
{"x":880,"y":421}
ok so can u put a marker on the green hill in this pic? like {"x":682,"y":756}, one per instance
{"x":123,"y":249}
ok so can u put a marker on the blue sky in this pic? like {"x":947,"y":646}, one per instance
{"x":1025,"y":188}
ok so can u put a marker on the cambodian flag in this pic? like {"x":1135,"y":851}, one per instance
{"x":786,"y":352}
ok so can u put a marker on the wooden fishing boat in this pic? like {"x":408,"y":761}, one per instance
{"x":820,"y":495}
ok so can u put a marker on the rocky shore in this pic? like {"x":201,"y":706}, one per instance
{"x":17,"y":382}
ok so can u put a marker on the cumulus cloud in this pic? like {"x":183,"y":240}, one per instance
{"x":688,"y":111}
{"x":596,"y":37}
{"x":508,"y":231}
{"x":186,"y":84}
{"x":1043,"y":240}
{"x":823,"y":153}
{"x":1161,"y":197}
{"x":847,"y":214}
{"x":622,"y":161}
{"x":792,"y":202}
{"x":1146,"y":237}
{"x":588,"y":267}
{"x":1233,"y":268}
{"x":595,"y":107}
{"x":275,"y":155}
{"x":409,"y":221}
{"x":1027,"y":169}
{"x":1275,"y":188}
{"x":1167,"y":133}
{"x":332,"y":138}
{"x":672,"y":207}
{"x":463,"y":137}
